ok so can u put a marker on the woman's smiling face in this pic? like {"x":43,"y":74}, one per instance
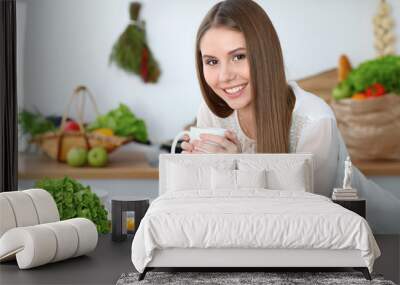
{"x":225,"y":66}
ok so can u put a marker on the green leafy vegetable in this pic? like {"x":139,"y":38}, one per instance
{"x":342,"y":90}
{"x":34,"y":123}
{"x":75,"y":200}
{"x":123,"y":123}
{"x":384,"y":70}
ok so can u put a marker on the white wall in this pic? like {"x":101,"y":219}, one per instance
{"x":67,"y":43}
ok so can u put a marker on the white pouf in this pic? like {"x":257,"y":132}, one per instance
{"x":46,"y":208}
{"x":30,"y":230}
{"x":23,"y":209}
{"x":32,"y":246}
{"x":7,"y":220}
{"x":66,"y":237}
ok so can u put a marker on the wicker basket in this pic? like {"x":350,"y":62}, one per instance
{"x":57,"y":144}
{"x":370,"y":128}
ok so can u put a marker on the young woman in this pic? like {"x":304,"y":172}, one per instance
{"x":242,"y":78}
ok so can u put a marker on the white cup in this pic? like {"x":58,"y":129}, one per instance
{"x":195,"y":133}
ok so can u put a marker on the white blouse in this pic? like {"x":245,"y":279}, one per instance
{"x":314,"y":130}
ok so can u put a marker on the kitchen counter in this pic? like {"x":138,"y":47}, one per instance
{"x":133,"y":165}
{"x":122,"y":165}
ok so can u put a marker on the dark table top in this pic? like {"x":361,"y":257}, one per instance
{"x":110,"y":259}
{"x":128,"y":198}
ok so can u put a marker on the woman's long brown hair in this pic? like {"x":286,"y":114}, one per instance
{"x":274,"y":99}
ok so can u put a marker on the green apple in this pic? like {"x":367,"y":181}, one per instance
{"x":98,"y":156}
{"x":77,"y":156}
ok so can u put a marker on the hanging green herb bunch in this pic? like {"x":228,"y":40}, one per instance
{"x":132,"y":53}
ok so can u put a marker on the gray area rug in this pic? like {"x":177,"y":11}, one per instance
{"x":229,"y":278}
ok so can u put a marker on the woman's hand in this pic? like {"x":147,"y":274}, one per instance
{"x":186,"y":146}
{"x":216,"y":144}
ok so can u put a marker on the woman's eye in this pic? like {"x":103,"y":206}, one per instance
{"x":239,"y":57}
{"x":211,"y":62}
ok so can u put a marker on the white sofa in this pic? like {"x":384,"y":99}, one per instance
{"x":31,"y":231}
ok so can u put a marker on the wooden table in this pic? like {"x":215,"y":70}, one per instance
{"x":320,"y":84}
{"x":133,"y":165}
{"x":378,"y":167}
{"x":122,"y":165}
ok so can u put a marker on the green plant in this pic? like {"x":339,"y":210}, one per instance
{"x":384,"y":70}
{"x":131,"y":51}
{"x":123,"y":123}
{"x":34,"y":123}
{"x":75,"y":200}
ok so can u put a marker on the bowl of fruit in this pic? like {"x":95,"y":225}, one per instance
{"x":76,"y":142}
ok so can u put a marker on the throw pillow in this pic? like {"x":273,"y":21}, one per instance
{"x":293,"y":180}
{"x":251,"y":178}
{"x":226,"y":179}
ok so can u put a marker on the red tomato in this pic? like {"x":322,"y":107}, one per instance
{"x":379,"y":88}
{"x":72,"y":126}
{"x":375,"y":90}
{"x":369,"y":92}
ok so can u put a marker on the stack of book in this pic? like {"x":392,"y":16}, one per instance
{"x":344,"y":194}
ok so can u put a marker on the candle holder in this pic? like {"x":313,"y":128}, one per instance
{"x":127,"y":213}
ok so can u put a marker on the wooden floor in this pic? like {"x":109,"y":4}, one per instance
{"x":111,"y":259}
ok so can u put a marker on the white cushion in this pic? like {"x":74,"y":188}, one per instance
{"x":7,"y":218}
{"x":26,"y":208}
{"x":251,"y":178}
{"x":223,"y":179}
{"x":227,"y":179}
{"x":87,"y":235}
{"x":46,"y":207}
{"x":67,"y":240}
{"x":280,"y":162}
{"x":23,"y":208}
{"x":282,"y":174}
{"x":293,"y":180}
{"x":189,"y":176}
{"x":40,"y":244}
{"x":34,"y":244}
{"x":182,"y":177}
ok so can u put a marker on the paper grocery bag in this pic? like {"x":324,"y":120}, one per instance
{"x":370,"y":127}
